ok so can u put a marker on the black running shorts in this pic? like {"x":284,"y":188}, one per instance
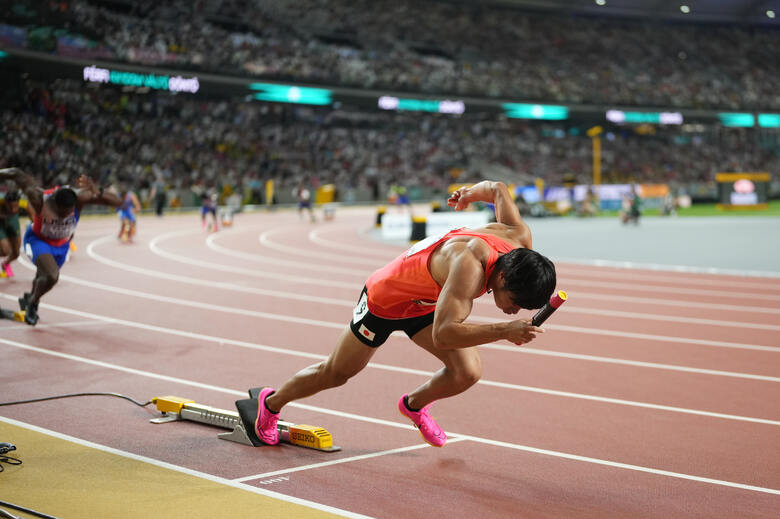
{"x":373,"y":331}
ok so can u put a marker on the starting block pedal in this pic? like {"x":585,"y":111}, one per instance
{"x":175,"y":408}
{"x":12,"y":315}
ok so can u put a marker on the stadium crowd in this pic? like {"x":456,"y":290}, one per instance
{"x":67,"y":128}
{"x":430,"y":47}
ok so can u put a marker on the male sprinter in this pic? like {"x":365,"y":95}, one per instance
{"x":10,"y":237}
{"x":304,"y":201}
{"x":428,"y":292}
{"x":127,"y":209}
{"x":209,"y":206}
{"x":47,"y":239}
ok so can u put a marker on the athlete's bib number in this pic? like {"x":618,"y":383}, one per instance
{"x":361,"y":309}
{"x":58,"y":228}
{"x":424,"y":244}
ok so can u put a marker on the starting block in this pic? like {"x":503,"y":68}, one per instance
{"x":175,"y":408}
{"x":12,"y":315}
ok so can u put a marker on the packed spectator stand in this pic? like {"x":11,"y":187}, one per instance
{"x":133,"y":138}
{"x":68,"y":128}
{"x":430,"y":46}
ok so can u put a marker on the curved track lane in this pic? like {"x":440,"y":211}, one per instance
{"x":652,"y":394}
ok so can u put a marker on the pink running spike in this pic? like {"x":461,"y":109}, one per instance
{"x":429,"y":429}
{"x":265,"y":424}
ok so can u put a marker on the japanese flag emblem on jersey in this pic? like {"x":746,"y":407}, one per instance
{"x":365,"y":332}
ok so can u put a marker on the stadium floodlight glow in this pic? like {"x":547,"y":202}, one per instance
{"x":769,"y":120}
{"x":616,"y":116}
{"x":421,"y":105}
{"x":619,"y":117}
{"x":531,"y":111}
{"x":670,"y":118}
{"x":388,"y":103}
{"x":736,"y":119}
{"x":452,"y":107}
{"x":770,"y":13}
{"x":95,"y":74}
{"x":292,"y":94}
{"x":685,"y":9}
{"x":601,"y":2}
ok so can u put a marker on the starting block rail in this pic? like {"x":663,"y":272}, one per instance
{"x":12,"y":315}
{"x":175,"y":408}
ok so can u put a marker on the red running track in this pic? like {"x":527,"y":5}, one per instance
{"x":651,"y":394}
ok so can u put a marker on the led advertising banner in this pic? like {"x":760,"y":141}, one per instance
{"x":446,"y":106}
{"x":769,"y":120}
{"x":620,"y":117}
{"x":292,"y":94}
{"x":737,"y":120}
{"x":95,"y":74}
{"x":743,"y":190}
{"x":531,"y":111}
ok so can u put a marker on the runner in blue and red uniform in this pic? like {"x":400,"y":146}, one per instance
{"x":47,"y":239}
{"x":428,"y":292}
{"x":209,"y":206}
{"x":127,"y":210}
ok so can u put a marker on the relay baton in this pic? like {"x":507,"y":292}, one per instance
{"x":546,"y":311}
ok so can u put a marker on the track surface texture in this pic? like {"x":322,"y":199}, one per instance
{"x":653,"y":393}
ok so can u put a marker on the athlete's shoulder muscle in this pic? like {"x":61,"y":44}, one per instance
{"x":519,"y":235}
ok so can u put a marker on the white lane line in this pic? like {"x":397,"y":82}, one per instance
{"x":345,"y":460}
{"x":642,"y":364}
{"x":671,"y":268}
{"x":154,"y":246}
{"x":722,"y":294}
{"x":350,"y":303}
{"x":367,"y":249}
{"x":566,"y":268}
{"x":497,"y":443}
{"x":569,"y":328}
{"x":525,"y":350}
{"x":320,"y":281}
{"x":264,"y":239}
{"x":329,"y":324}
{"x":427,"y":374}
{"x":683,"y":304}
{"x":332,"y":325}
{"x":603,"y":284}
{"x":260,"y":258}
{"x":627,"y":466}
{"x":184,"y":470}
{"x":672,"y":318}
{"x":341,"y":258}
{"x":657,"y":317}
{"x":662,"y":338}
{"x":212,"y":284}
{"x":569,"y":266}
{"x":72,"y":324}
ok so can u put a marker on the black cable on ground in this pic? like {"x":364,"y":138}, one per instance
{"x":25,"y":510}
{"x":136,"y":402}
{"x":9,"y":460}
